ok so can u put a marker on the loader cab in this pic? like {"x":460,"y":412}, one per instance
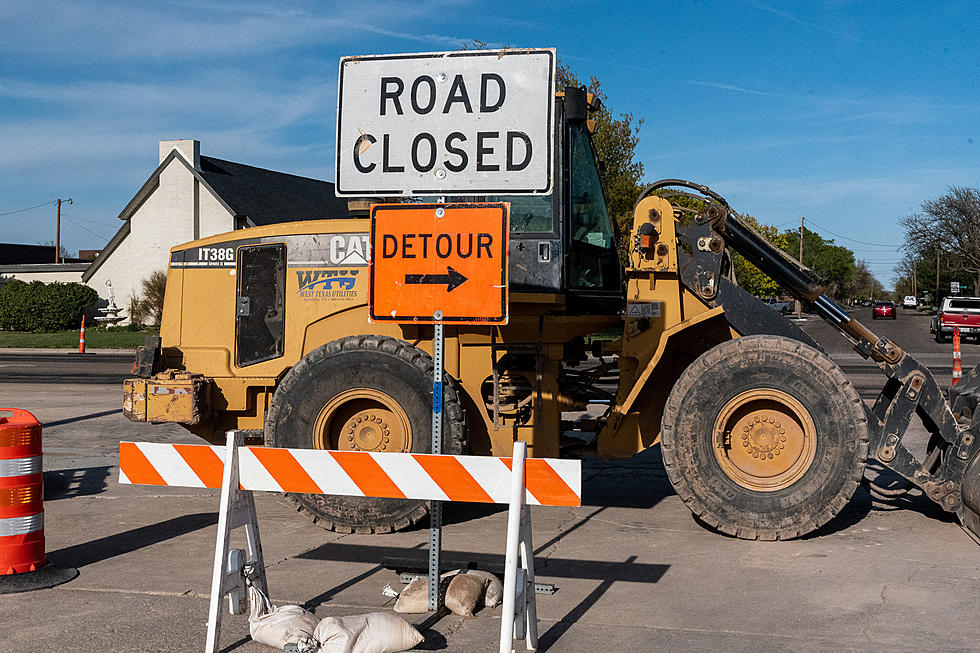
{"x":565,"y":242}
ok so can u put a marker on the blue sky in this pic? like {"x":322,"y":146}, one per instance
{"x":849,"y":113}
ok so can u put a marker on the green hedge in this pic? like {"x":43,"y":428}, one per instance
{"x":39,"y":306}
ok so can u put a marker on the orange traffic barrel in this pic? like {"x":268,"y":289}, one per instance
{"x":23,"y":565}
{"x":957,"y":364}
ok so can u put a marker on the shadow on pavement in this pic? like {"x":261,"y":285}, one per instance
{"x":81,"y":482}
{"x":553,"y":634}
{"x":637,"y":482}
{"x":80,"y":418}
{"x":416,"y":560}
{"x":111,"y":546}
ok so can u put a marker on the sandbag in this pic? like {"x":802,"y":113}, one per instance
{"x":464,"y":593}
{"x":287,"y":624}
{"x":482,"y":588}
{"x":494,"y":593}
{"x":375,"y":632}
{"x":414,"y":599}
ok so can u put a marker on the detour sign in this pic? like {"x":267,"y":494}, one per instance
{"x":450,"y":258}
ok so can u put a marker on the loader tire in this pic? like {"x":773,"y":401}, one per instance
{"x":764,"y":438}
{"x":363,"y":393}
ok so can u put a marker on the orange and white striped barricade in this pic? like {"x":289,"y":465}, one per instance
{"x":516,"y":481}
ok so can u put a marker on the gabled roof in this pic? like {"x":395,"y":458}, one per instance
{"x":262,"y":196}
{"x":267,"y":197}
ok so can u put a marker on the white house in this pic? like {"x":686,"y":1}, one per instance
{"x":189,"y":196}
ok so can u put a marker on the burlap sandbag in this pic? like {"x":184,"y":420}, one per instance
{"x":461,"y":595}
{"x":287,"y":624}
{"x":376,"y":632}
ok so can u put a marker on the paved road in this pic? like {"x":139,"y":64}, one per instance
{"x":635,"y":571}
{"x":40,"y":366}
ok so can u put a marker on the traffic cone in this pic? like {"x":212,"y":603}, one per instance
{"x":81,"y":338}
{"x":957,"y":368}
{"x":23,"y":564}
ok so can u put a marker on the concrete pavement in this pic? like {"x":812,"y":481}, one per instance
{"x":635,"y":571}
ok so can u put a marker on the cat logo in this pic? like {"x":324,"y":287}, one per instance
{"x":349,"y":250}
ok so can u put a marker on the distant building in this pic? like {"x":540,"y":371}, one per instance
{"x":36,"y":263}
{"x":189,"y":196}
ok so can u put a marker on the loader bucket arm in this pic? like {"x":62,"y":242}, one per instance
{"x":950,"y":473}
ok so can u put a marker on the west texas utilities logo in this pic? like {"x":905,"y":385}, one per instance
{"x":331,"y":267}
{"x":327,"y":284}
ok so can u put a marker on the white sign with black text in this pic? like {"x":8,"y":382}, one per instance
{"x":472,"y":122}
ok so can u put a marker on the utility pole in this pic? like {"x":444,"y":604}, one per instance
{"x":57,"y":233}
{"x":937,"y":275}
{"x":799,"y":305}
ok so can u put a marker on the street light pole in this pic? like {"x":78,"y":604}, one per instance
{"x":57,"y":233}
{"x":799,"y":305}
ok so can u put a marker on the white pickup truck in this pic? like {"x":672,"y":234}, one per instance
{"x":962,"y":312}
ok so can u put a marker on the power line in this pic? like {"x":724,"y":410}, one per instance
{"x":83,"y":227}
{"x":853,"y":240}
{"x":72,"y":215}
{"x":29,"y":208}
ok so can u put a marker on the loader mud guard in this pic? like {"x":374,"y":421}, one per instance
{"x":764,"y":438}
{"x":362,"y":393}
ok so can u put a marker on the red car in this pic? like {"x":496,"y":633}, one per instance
{"x":883,"y":310}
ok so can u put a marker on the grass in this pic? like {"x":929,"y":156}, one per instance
{"x":95,"y":338}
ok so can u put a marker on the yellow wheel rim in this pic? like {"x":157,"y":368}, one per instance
{"x":362,"y":419}
{"x":764,"y":440}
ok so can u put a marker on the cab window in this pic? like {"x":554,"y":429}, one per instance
{"x":529,"y":214}
{"x":592,"y":259}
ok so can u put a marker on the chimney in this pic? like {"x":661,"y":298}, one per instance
{"x":189,"y":149}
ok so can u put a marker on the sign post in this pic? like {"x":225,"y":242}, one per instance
{"x":444,"y":264}
{"x":465,"y":123}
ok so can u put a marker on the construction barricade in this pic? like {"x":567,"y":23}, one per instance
{"x":516,"y":481}
{"x":23,"y":563}
{"x":957,"y":363}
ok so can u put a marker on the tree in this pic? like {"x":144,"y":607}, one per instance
{"x":833,"y":264}
{"x":63,"y":251}
{"x":748,"y":275}
{"x":865,"y":284}
{"x":951,"y":224}
{"x":146,"y":306}
{"x":615,"y":141}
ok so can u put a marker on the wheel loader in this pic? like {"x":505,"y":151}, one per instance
{"x":266,"y":330}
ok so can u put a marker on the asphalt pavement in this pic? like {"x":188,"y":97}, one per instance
{"x":634,"y":570}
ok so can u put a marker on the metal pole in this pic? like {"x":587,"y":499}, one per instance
{"x":57,"y":234}
{"x":435,"y":507}
{"x":508,"y":611}
{"x":799,"y":304}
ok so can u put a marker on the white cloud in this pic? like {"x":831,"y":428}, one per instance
{"x":731,"y":87}
{"x":112,"y":31}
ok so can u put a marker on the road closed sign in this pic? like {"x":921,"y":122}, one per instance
{"x":439,"y":263}
{"x":447,"y":123}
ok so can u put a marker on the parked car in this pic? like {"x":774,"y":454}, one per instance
{"x":910,"y":302}
{"x":884,"y":311}
{"x":962,"y":312}
{"x":778,"y":305}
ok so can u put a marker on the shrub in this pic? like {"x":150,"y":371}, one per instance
{"x":146,"y":306}
{"x":39,"y":306}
